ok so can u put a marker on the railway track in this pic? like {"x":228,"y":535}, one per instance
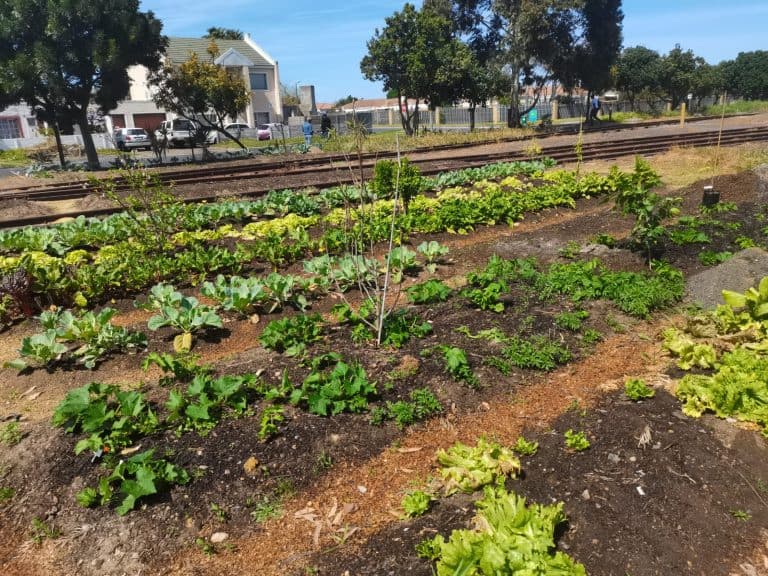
{"x":333,"y":170}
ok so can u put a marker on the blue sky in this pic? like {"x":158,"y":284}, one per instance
{"x":322,"y":42}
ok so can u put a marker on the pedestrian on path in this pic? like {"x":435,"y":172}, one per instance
{"x":307,"y":130}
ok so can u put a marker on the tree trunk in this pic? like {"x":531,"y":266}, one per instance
{"x":404,"y":118}
{"x":90,"y":148}
{"x":59,"y":145}
{"x":472,"y":118}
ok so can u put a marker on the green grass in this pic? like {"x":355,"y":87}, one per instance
{"x":738,"y":107}
{"x":15,"y":158}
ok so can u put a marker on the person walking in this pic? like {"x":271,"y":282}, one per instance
{"x":595,"y":107}
{"x":325,"y":125}
{"x":307,"y":130}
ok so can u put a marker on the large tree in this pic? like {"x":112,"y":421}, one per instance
{"x":414,"y":55}
{"x":202,"y":91}
{"x":60,"y":55}
{"x":638,"y":73}
{"x":534,"y":41}
{"x":747,"y":75}
{"x":681,"y":72}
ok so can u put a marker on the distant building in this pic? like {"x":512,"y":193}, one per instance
{"x":259,"y":70}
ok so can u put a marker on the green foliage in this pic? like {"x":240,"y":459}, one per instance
{"x":131,"y":480}
{"x":181,"y":367}
{"x":738,"y":389}
{"x":487,"y":297}
{"x":345,"y":388}
{"x":201,"y":406}
{"x":422,"y":405}
{"x":42,"y":530}
{"x":292,"y":334}
{"x":10,"y":434}
{"x":92,"y":334}
{"x":457,"y":365}
{"x":271,"y":416}
{"x":401,"y":260}
{"x":576,"y":441}
{"x":181,"y":312}
{"x":468,"y":468}
{"x":648,"y":208}
{"x":416,"y":503}
{"x":571,"y":320}
{"x":6,"y":493}
{"x":710,"y":258}
{"x":511,"y":538}
{"x":636,"y":389}
{"x":432,"y":252}
{"x":388,"y":177}
{"x":428,"y":292}
{"x":690,"y":353}
{"x":525,"y":447}
{"x":537,"y":352}
{"x":113,"y":418}
{"x":240,"y":294}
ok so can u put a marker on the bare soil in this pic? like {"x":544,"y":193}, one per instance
{"x":670,"y":504}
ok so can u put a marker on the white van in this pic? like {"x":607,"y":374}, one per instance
{"x":179,"y":132}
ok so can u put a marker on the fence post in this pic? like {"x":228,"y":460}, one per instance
{"x":437,"y":116}
{"x":682,"y":114}
{"x":390,"y":116}
{"x":554,"y":104}
{"x":495,"y":113}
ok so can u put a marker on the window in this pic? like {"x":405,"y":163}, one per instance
{"x":261,"y":117}
{"x":10,"y":128}
{"x":258,"y":81}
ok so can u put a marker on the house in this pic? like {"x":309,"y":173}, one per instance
{"x":260,"y":72}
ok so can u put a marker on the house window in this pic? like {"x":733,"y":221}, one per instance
{"x":258,"y":81}
{"x":10,"y":128}
{"x":261,"y":117}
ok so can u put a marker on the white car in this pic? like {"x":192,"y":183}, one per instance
{"x":132,"y":139}
{"x":179,"y":132}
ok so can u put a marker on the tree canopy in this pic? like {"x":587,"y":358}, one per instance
{"x":415,"y":55}
{"x":202,"y":91}
{"x":216,"y":33}
{"x":60,"y":55}
{"x":638,"y":73}
{"x":747,"y":75}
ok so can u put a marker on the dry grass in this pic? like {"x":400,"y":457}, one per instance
{"x":682,"y":166}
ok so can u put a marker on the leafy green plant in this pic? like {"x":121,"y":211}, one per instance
{"x":182,"y":367}
{"x":710,"y":258}
{"x":131,"y":480}
{"x":428,"y":292}
{"x":284,"y":290}
{"x":112,"y":418}
{"x":511,"y":538}
{"x":10,"y":434}
{"x":537,"y":352}
{"x":467,"y":468}
{"x":200,"y":407}
{"x":416,"y":503}
{"x":271,"y":417}
{"x":401,"y":260}
{"x":690,"y":353}
{"x":6,"y":493}
{"x":571,"y":320}
{"x":742,"y":515}
{"x":433,"y":252}
{"x":576,"y":441}
{"x":423,"y":404}
{"x":240,"y":294}
{"x":487,"y":297}
{"x":292,"y":334}
{"x":525,"y":447}
{"x":345,"y":388}
{"x":457,"y":365}
{"x":636,"y":389}
{"x":184,"y":313}
{"x":42,"y":530}
{"x":570,"y":250}
{"x":738,"y":389}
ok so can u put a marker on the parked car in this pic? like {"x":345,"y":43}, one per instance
{"x":180,"y":131}
{"x":237,"y":129}
{"x":265,"y":131}
{"x":132,"y":139}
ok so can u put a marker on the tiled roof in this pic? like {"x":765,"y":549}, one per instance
{"x":179,"y":49}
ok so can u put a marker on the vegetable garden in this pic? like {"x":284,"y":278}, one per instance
{"x":218,"y":377}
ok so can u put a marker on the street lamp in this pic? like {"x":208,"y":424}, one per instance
{"x":297,"y":90}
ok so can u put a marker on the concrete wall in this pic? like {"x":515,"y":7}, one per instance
{"x":99,"y":140}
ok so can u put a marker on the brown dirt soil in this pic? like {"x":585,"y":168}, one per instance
{"x":338,"y":481}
